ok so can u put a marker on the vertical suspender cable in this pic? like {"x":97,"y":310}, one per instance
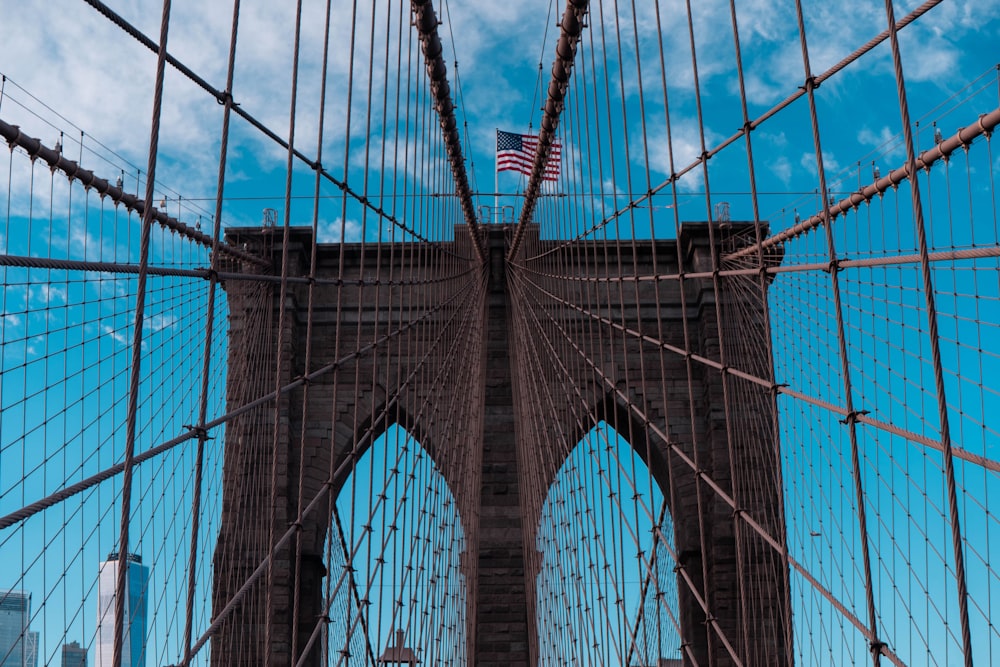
{"x":307,"y":363}
{"x":209,"y":331}
{"x":935,"y":341}
{"x":875,"y":644}
{"x":121,"y":584}
{"x":763,"y":281}
{"x":280,"y":369}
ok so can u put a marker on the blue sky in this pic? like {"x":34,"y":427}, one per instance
{"x":498,"y":49}
{"x":68,"y":57}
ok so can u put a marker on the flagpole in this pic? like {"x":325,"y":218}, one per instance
{"x":496,"y":175}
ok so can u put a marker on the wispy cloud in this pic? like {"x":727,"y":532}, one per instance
{"x":331,"y":232}
{"x":159,"y":322}
{"x":107,"y":90}
{"x":830,"y":164}
{"x":884,"y":142}
{"x":782,"y":169}
{"x":46,"y":295}
{"x":114,"y":334}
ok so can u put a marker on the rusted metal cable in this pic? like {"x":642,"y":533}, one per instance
{"x":981,"y":252}
{"x":860,"y":417}
{"x":957,"y":541}
{"x":206,"y":370}
{"x":426,"y":23}
{"x":570,"y":29}
{"x":220,"y":97}
{"x":983,"y":126}
{"x":226,"y":276}
{"x":135,"y":370}
{"x":36,"y":149}
{"x":676,"y":174}
{"x":842,"y":349}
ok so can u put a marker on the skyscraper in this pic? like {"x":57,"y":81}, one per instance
{"x":74,"y":655}
{"x":15,"y":612}
{"x":134,"y":625}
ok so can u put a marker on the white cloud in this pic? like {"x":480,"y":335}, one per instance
{"x":760,"y":89}
{"x":46,"y":294}
{"x":330,"y":232}
{"x":885,"y":142}
{"x":775,"y":139}
{"x":781,"y":168}
{"x":159,"y":322}
{"x":35,"y":347}
{"x":830,"y":164}
{"x":928,"y":57}
{"x":115,"y":335}
{"x":685,"y":141}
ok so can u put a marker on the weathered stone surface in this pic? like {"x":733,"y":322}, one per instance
{"x":477,"y":449}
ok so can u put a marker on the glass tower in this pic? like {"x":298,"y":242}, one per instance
{"x":134,"y":626}
{"x":74,"y":655}
{"x":15,"y":611}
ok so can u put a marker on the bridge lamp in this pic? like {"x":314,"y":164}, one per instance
{"x":398,"y":654}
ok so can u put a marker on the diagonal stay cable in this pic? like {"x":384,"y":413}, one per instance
{"x":532,"y":370}
{"x":223,"y":276}
{"x":571,"y":387}
{"x":743,"y":514}
{"x":221,"y":96}
{"x":748,"y":127}
{"x":983,"y":126}
{"x":566,"y":376}
{"x":280,"y":543}
{"x":70,"y":491}
{"x":912,"y":436}
{"x":749,"y":269}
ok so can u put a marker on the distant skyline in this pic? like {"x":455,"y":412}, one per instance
{"x":18,"y":643}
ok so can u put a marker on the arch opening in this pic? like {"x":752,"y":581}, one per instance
{"x":606,"y":592}
{"x":395,"y":551}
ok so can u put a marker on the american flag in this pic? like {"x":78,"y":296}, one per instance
{"x":516,"y":152}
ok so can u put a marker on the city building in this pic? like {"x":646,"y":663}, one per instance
{"x":15,"y":613}
{"x":134,"y":625}
{"x":31,"y":649}
{"x":74,"y":655}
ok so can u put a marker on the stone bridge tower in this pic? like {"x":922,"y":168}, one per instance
{"x":745,"y":587}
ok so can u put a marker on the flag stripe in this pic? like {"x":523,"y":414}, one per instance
{"x":517,"y":152}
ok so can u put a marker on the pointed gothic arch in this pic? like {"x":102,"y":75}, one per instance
{"x":606,"y":535}
{"x":393,"y":508}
